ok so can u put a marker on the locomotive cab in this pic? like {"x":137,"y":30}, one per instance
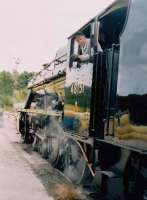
{"x":120,"y":118}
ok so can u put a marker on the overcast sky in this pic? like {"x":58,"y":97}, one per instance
{"x":33,"y":30}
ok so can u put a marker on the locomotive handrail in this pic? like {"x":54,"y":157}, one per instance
{"x":47,"y":68}
{"x":41,"y":112}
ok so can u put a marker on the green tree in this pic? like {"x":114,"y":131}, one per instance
{"x":20,"y":95}
{"x":15,"y":75}
{"x":6,"y":89}
{"x":6,"y":101}
{"x":23,"y":80}
{"x":13,"y":87}
{"x":6,"y":84}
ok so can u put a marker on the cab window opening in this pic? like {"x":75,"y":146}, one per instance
{"x":75,"y":48}
{"x":111,"y":26}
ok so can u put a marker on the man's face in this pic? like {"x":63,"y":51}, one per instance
{"x":81,"y":41}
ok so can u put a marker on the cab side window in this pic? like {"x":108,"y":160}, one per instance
{"x":81,"y":47}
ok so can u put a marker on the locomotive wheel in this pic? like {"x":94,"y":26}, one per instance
{"x":34,"y":144}
{"x":44,"y":148}
{"x":75,"y":166}
{"x":40,"y":143}
{"x":28,"y":139}
{"x":53,"y":150}
{"x":47,"y":147}
{"x":41,"y":147}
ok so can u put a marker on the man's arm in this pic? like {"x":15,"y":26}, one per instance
{"x":84,"y":57}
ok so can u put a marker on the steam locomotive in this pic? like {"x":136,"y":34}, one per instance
{"x":89,"y":119}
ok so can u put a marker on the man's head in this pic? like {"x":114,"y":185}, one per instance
{"x":80,"y":38}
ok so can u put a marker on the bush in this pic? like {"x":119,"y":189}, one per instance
{"x":6,"y":101}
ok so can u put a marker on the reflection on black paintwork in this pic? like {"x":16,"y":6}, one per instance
{"x":132,"y":76}
{"x":77,"y":98}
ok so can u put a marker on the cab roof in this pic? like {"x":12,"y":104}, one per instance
{"x":114,"y":6}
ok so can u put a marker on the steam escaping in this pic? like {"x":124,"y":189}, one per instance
{"x":55,"y":128}
{"x":65,"y":154}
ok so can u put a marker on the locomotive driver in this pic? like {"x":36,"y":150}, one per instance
{"x":84,"y":48}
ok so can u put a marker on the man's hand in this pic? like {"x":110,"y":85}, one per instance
{"x":75,"y":58}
